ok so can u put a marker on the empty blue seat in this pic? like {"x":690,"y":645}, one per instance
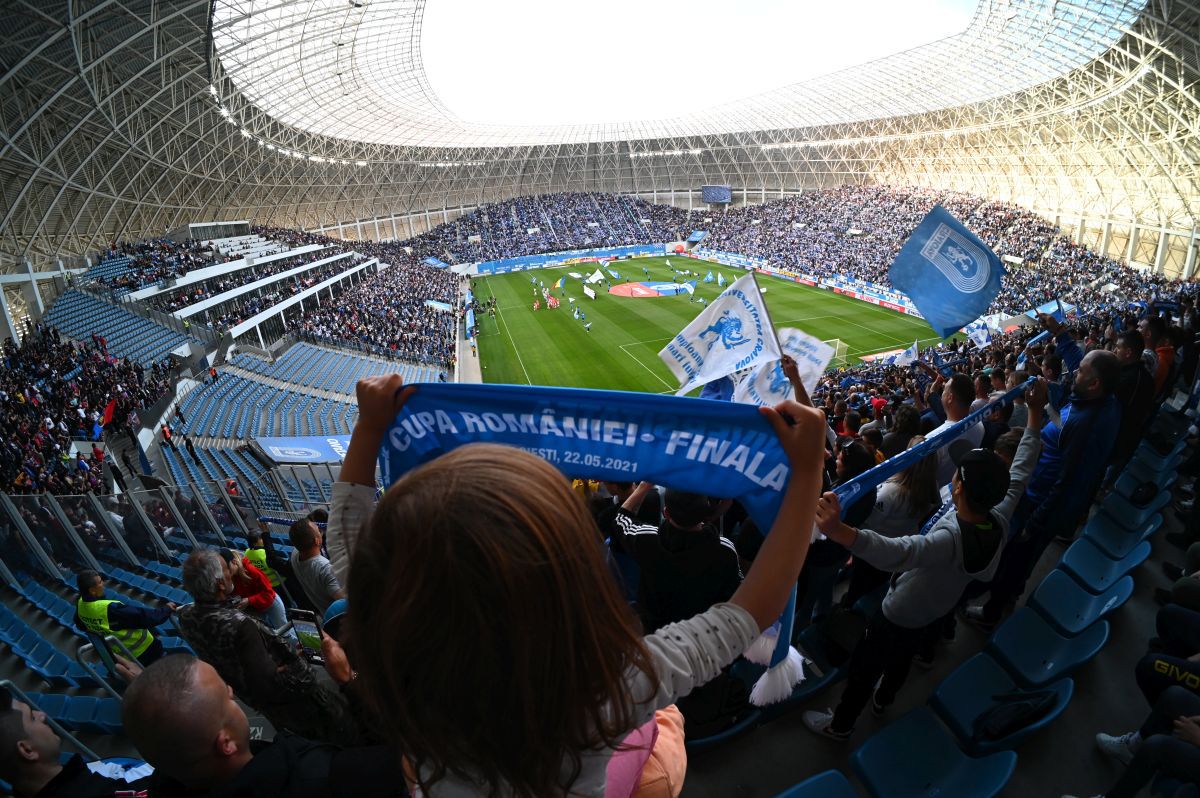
{"x":916,"y":756}
{"x":1036,"y":654}
{"x":1094,"y":569}
{"x":749,"y":721}
{"x":968,"y":692}
{"x":1130,"y":515}
{"x":1070,"y":608}
{"x":1137,"y":473}
{"x":1116,"y":540}
{"x":830,"y":784}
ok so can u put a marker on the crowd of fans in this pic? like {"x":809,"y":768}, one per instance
{"x":170,"y":301}
{"x":154,"y":260}
{"x":54,"y":390}
{"x":388,"y":313}
{"x":235,"y":311}
{"x":507,"y":571}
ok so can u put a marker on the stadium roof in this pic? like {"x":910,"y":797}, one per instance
{"x":354,"y":70}
{"x":132,"y":118}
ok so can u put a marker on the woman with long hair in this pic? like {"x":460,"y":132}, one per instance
{"x":902,"y":504}
{"x":488,"y":635}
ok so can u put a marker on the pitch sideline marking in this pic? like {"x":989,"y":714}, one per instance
{"x":513,"y":343}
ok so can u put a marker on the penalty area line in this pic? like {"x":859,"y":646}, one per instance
{"x":638,"y":360}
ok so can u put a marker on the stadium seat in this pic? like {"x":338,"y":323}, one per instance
{"x":1095,"y":569}
{"x":1069,"y":608}
{"x":916,"y":756}
{"x":1129,"y":515}
{"x":1036,"y":654}
{"x":830,"y":784}
{"x":749,"y":721}
{"x":1137,"y":474}
{"x":1114,"y":539}
{"x":969,"y":691}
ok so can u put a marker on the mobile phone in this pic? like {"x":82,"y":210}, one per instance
{"x":307,"y":627}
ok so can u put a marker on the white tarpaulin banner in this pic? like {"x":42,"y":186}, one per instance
{"x":596,"y":277}
{"x":589,"y":292}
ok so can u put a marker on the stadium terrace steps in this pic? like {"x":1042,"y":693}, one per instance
{"x":78,"y":315}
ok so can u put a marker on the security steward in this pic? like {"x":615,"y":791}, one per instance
{"x":131,"y":625}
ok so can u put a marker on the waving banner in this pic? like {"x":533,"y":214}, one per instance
{"x":697,"y":445}
{"x":713,"y":448}
{"x":768,"y":385}
{"x":732,"y":333}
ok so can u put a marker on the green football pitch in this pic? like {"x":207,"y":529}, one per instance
{"x":620,"y":352}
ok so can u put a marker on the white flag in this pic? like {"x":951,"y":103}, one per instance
{"x":732,"y":333}
{"x":595,"y":277}
{"x":768,"y":385}
{"x":907,"y":356}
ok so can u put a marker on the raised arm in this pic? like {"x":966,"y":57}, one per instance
{"x":764,"y":592}
{"x":379,"y":401}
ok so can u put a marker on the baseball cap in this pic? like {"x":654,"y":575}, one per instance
{"x":984,"y":478}
{"x":334,"y":614}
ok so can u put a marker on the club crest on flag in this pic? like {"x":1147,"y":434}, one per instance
{"x":963,"y":263}
{"x":728,"y":330}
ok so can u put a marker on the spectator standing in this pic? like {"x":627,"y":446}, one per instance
{"x":312,"y":569}
{"x":535,"y":578}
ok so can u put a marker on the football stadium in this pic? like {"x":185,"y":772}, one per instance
{"x":445,"y":398}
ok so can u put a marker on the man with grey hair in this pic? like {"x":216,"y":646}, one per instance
{"x":182,"y":717}
{"x":262,"y":668}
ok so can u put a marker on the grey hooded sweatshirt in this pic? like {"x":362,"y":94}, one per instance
{"x":933,"y":575}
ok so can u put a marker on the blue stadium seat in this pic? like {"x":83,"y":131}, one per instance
{"x":968,"y":692}
{"x":1129,"y":515}
{"x":1036,"y":654}
{"x":916,"y":756}
{"x":1137,"y":473}
{"x":1069,"y":608}
{"x":1094,"y":569}
{"x":748,"y":722}
{"x":830,"y":784}
{"x":1115,"y":540}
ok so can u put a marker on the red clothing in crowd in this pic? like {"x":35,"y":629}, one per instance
{"x":254,"y":587}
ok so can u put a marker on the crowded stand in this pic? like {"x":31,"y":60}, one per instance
{"x":178,"y":299}
{"x":388,"y":314}
{"x":148,"y":262}
{"x":234,"y":311}
{"x":54,"y":391}
{"x":625,"y":612}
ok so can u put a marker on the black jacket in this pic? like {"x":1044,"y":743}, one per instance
{"x":293,"y":767}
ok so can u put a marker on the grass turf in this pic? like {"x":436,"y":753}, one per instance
{"x":549,"y":347}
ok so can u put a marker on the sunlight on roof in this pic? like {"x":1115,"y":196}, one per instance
{"x":550,"y":62}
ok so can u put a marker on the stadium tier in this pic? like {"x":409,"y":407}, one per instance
{"x":371,"y":425}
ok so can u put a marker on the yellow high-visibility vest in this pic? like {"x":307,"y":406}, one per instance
{"x":258,"y":558}
{"x":94,"y":615}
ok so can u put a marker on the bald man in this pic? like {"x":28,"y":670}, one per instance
{"x":182,"y":717}
{"x":29,"y":759}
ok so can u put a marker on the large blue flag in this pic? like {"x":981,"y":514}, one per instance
{"x":948,"y":273}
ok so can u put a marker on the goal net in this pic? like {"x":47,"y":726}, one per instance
{"x":841,"y":358}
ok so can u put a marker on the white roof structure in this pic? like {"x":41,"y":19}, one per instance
{"x":129,"y":119}
{"x":354,"y":71}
